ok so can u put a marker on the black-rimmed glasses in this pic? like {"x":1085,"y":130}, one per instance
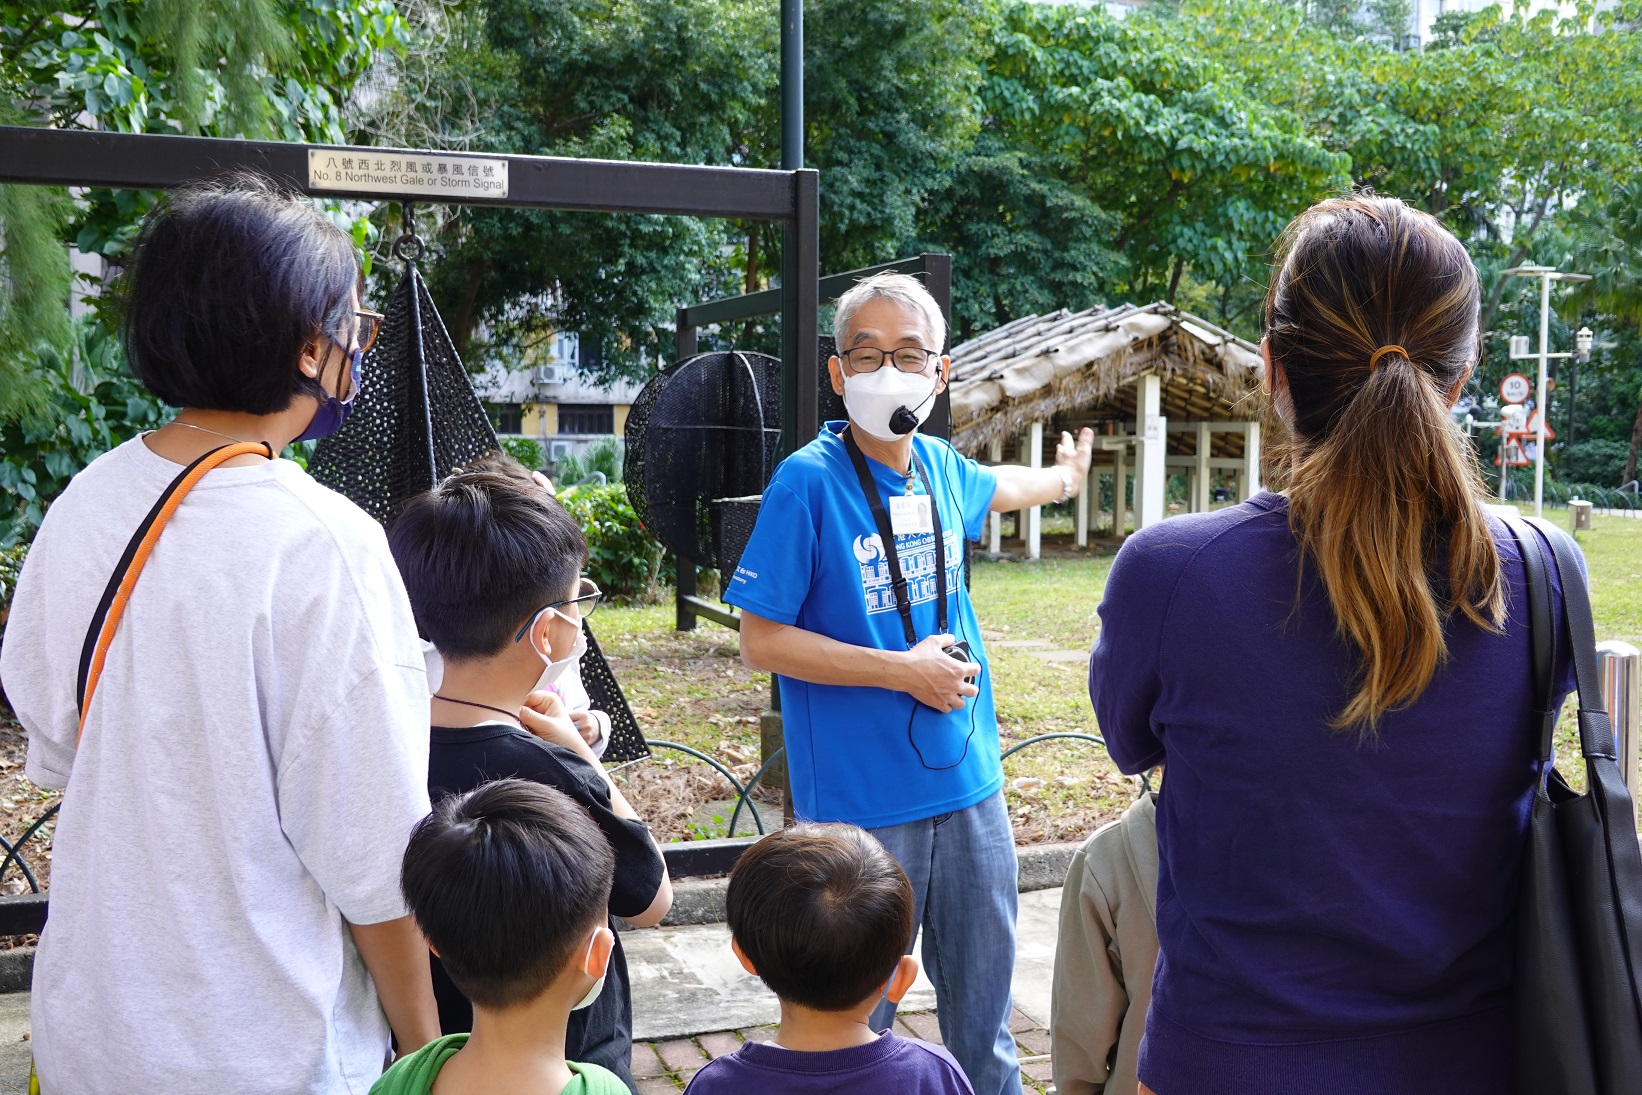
{"x":586,"y":601}
{"x":868,"y":359}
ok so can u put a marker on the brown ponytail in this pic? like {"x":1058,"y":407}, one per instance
{"x":1379,"y":479}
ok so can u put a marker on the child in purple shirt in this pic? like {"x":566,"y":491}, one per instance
{"x":823,"y":915}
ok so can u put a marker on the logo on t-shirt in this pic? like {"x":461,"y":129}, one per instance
{"x":917,"y":556}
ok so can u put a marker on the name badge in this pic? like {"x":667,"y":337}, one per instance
{"x":909,"y":514}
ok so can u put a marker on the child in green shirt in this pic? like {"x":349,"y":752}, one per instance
{"x":510,"y":883}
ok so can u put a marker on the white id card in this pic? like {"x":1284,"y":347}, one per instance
{"x":909,"y":514}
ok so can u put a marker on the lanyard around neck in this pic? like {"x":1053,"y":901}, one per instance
{"x":886,"y":534}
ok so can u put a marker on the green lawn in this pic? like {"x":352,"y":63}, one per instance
{"x":692,"y":688}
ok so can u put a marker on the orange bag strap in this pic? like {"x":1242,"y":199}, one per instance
{"x":120,"y":584}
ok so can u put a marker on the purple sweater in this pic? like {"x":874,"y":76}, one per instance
{"x":890,"y":1066}
{"x":1333,"y":917}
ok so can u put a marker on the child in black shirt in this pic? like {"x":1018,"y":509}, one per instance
{"x":493,"y":568}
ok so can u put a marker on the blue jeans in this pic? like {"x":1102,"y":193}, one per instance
{"x":964,"y":885}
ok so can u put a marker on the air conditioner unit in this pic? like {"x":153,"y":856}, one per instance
{"x":549,"y":374}
{"x":558,"y":449}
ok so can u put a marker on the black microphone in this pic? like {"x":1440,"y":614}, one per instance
{"x":903,"y":421}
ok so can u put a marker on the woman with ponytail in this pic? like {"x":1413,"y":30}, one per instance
{"x":1338,"y":677}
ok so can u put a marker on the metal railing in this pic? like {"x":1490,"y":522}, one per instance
{"x":744,"y":791}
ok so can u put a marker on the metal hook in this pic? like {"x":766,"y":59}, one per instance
{"x":408,"y":247}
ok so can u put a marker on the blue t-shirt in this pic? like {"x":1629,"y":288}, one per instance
{"x":871,"y":756}
{"x":1333,"y":916}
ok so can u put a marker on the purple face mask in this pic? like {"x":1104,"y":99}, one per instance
{"x":333,"y":411}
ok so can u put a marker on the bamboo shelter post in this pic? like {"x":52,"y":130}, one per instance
{"x":1034,"y":516}
{"x":995,"y":519}
{"x":1151,"y":431}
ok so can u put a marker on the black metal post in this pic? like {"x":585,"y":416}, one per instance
{"x":792,"y":84}
{"x":153,"y":161}
{"x":685,"y":582}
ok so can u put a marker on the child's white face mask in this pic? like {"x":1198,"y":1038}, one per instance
{"x":587,"y":959}
{"x":557,"y":669}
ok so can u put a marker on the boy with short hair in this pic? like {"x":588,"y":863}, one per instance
{"x":823,"y":915}
{"x":492,"y":564}
{"x":510,"y":884}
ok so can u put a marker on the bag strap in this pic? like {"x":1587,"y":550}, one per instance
{"x":1595,"y":730}
{"x":1542,"y":636}
{"x":886,"y":534}
{"x":124,"y":579}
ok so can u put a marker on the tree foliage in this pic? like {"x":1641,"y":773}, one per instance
{"x":233,"y":68}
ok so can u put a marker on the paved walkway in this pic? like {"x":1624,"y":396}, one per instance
{"x":692,"y":1001}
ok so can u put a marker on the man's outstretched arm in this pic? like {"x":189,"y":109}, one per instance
{"x":1022,"y":487}
{"x":925,"y":672}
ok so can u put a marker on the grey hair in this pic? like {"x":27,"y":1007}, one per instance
{"x":903,"y":289}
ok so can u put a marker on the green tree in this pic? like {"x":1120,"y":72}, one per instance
{"x":233,"y":68}
{"x":890,"y":104}
{"x":1023,"y":239}
{"x":1200,"y":174}
{"x":1610,"y":250}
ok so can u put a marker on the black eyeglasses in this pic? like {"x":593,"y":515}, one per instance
{"x":586,"y":601}
{"x":908,"y":359}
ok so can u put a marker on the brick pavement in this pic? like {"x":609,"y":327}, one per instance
{"x":664,"y":1068}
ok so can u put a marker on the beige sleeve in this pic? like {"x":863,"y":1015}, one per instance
{"x":1088,"y":1001}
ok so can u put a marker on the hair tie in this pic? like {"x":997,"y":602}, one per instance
{"x":1374,"y":361}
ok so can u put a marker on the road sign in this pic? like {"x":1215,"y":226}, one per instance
{"x":1515,"y":388}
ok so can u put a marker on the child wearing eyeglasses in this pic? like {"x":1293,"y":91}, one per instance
{"x":493,"y":569}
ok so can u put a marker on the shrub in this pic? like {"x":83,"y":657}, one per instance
{"x":11,"y":565}
{"x":88,"y":410}
{"x":607,"y":455}
{"x":1594,"y":461}
{"x":525,"y":451}
{"x":623,"y":559}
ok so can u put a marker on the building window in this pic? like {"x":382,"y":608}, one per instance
{"x":587,"y":418}
{"x":506,"y":417}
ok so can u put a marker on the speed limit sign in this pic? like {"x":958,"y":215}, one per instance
{"x":1515,"y":388}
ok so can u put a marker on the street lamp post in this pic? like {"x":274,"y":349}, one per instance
{"x":1546,"y":275}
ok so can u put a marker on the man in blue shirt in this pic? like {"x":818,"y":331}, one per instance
{"x":888,"y":724}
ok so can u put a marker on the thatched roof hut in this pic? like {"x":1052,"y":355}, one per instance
{"x":1167,"y":392}
{"x":1079,"y":367}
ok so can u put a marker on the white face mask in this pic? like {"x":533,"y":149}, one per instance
{"x":598,"y":986}
{"x":873,"y":400}
{"x":556,"y":669}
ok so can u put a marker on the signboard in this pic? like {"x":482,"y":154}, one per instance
{"x":408,"y":175}
{"x":1515,"y":388}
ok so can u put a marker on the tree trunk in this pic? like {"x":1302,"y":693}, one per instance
{"x":1174,"y":278}
{"x":464,"y":320}
{"x":752,"y":260}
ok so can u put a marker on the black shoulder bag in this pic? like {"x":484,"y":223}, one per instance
{"x":1579,"y":909}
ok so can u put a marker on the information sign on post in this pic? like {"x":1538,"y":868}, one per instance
{"x":435,"y":177}
{"x":1515,"y":388}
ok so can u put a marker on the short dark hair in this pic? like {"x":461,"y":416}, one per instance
{"x":230,"y":278}
{"x":822,"y":912}
{"x":505,"y":881}
{"x":479,"y":553}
